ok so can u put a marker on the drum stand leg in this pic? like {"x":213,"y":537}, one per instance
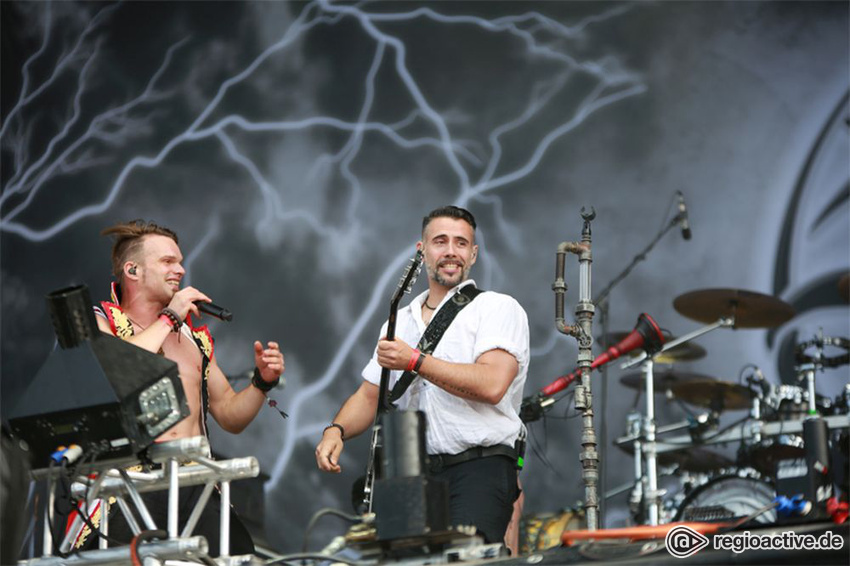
{"x":652,"y":493}
{"x":636,"y":499}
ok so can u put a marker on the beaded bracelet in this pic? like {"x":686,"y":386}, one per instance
{"x":172,"y":316}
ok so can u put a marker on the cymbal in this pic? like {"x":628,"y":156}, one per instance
{"x":844,"y":287}
{"x":686,"y":352}
{"x":690,"y":458}
{"x":751,"y":310}
{"x":663,"y":380}
{"x":715,"y":395}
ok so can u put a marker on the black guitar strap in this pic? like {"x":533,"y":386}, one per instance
{"x":434,"y":333}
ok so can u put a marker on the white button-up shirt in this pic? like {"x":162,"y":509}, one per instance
{"x":491,"y":321}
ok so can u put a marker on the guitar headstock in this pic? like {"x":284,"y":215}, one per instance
{"x":408,"y":278}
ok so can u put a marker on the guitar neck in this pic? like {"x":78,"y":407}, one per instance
{"x":383,"y":392}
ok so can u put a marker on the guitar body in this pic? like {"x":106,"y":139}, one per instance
{"x":384,"y":406}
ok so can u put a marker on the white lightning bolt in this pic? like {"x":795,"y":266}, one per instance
{"x":476,"y":178}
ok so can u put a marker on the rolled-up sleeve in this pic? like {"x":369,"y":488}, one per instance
{"x":503,"y":326}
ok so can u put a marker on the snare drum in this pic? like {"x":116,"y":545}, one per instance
{"x":730,"y":495}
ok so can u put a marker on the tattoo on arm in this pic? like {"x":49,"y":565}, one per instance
{"x":446,"y":385}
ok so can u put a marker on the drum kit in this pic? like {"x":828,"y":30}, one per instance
{"x":712,"y":486}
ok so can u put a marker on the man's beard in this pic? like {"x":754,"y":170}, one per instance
{"x":435,"y":275}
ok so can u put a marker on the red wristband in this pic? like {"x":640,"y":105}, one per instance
{"x":167,"y":320}
{"x":413,"y":359}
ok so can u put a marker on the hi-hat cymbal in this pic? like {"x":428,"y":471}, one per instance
{"x":663,"y":380}
{"x":750,"y":310}
{"x":686,"y":352}
{"x":715,"y":395}
{"x":690,"y":458}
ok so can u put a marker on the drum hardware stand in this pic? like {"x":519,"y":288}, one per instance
{"x":724,"y":322}
{"x":111,"y":479}
{"x":653,"y":494}
{"x":634,"y":423}
{"x":755,"y":424}
{"x":583,"y":333}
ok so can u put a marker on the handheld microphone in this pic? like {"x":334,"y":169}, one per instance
{"x":646,"y":336}
{"x":683,"y":216}
{"x":212,"y":309}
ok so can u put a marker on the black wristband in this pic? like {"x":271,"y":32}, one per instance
{"x":261,"y":384}
{"x":336,"y":425}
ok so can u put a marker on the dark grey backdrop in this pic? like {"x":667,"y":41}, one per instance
{"x":295,"y":147}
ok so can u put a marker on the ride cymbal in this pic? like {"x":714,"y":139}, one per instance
{"x":749,"y":309}
{"x":715,"y":395}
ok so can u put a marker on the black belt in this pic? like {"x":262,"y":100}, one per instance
{"x":438,"y":462}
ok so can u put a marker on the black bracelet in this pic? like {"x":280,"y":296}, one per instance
{"x":336,"y":425}
{"x":261,"y":384}
{"x":172,"y":316}
{"x":419,"y":364}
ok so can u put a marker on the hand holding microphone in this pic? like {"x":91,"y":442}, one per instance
{"x":191,"y":300}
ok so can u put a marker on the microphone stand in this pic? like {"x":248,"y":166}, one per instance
{"x":602,"y":302}
{"x":583,"y":333}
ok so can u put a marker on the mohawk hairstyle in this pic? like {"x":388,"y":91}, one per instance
{"x":128,"y":238}
{"x":450,"y":211}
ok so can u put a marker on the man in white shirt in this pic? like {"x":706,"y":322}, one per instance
{"x":470,"y":388}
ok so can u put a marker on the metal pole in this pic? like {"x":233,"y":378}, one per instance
{"x":649,"y":446}
{"x":173,"y":497}
{"x":225,"y":519}
{"x":47,"y":539}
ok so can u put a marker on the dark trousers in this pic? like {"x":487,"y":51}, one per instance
{"x":207,"y":526}
{"x":482,"y":493}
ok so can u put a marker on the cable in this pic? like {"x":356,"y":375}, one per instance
{"x":51,"y":519}
{"x":540,"y":453}
{"x":104,"y":509}
{"x":143,"y":537}
{"x":321,"y":513}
